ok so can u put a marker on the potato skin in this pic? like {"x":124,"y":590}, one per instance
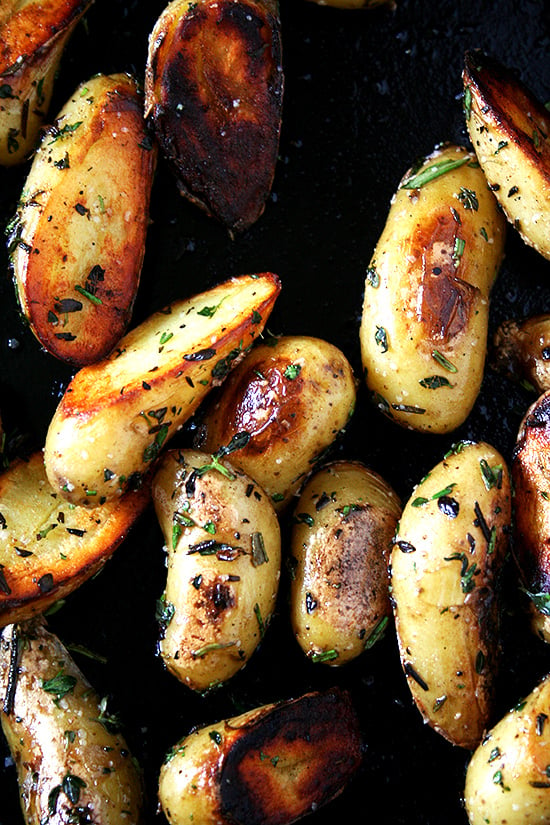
{"x":344,"y":523}
{"x":69,"y":763}
{"x":224,"y":560}
{"x":214,"y":90}
{"x":33,"y":36}
{"x":530,"y":469}
{"x":507,"y":776}
{"x":423,"y":331}
{"x":48,"y":549}
{"x":268,"y":766}
{"x":509,"y":129}
{"x":293,"y":396}
{"x":117,"y":414}
{"x":522,"y":351}
{"x":77,"y":241}
{"x":445,"y":564}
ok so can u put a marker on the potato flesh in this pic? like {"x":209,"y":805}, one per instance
{"x":447,"y":554}
{"x":423,"y":332}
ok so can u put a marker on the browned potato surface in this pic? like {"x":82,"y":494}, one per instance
{"x":47,"y":547}
{"x":77,"y":241}
{"x":33,"y":35}
{"x":522,"y":351}
{"x":214,"y":88}
{"x":268,"y":766}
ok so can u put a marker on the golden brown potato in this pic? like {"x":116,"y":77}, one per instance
{"x":117,"y":414}
{"x":78,"y":239}
{"x":423,"y":332}
{"x":224,"y":560}
{"x":72,"y":764}
{"x":293,"y":396}
{"x":47,"y":547}
{"x":507,"y":777}
{"x":521,"y":351}
{"x":510,"y":132}
{"x":33,"y":35}
{"x":445,"y":564}
{"x":531,"y":477}
{"x":268,"y":766}
{"x":214,"y":90}
{"x":344,"y":522}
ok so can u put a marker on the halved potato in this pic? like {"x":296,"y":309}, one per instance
{"x":117,"y":414}
{"x":214,"y":89}
{"x":521,"y":351}
{"x":77,"y":241}
{"x":510,"y":132}
{"x":33,"y":35}
{"x":268,"y":766}
{"x":48,"y":548}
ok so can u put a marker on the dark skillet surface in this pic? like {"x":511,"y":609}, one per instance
{"x":366,"y":94}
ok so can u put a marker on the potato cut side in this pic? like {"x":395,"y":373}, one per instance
{"x":214,"y":88}
{"x":77,"y":241}
{"x":48,"y":548}
{"x":33,"y":35}
{"x":510,"y":131}
{"x":116,"y":415}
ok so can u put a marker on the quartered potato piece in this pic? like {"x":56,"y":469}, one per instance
{"x":521,"y":351}
{"x":72,"y":764}
{"x":268,"y":766}
{"x":446,"y":561}
{"x":116,"y":415}
{"x":77,"y":241}
{"x":214,"y":90}
{"x":423,"y":332}
{"x":510,"y":132}
{"x":344,"y":523}
{"x":293,"y":396}
{"x":47,"y":547}
{"x":33,"y":35}
{"x":224,"y":559}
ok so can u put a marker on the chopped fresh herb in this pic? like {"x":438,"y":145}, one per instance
{"x":110,"y":721}
{"x":433,"y":171}
{"x":381,"y":338}
{"x":500,"y":146}
{"x":259,"y":555}
{"x":458,"y":251}
{"x":492,"y":476}
{"x":434,"y":382}
{"x":208,"y":312}
{"x":259,"y":619}
{"x":467,"y":572}
{"x":468,"y":199}
{"x":324,"y":656}
{"x":304,"y":518}
{"x":442,"y":361}
{"x":292,"y":371}
{"x":467,"y":102}
{"x":377,"y":633}
{"x":372,"y":277}
{"x":60,"y":684}
{"x":68,"y":129}
{"x":89,"y":295}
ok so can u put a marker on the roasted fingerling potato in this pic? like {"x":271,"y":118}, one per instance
{"x":423,"y":332}
{"x":33,"y":36}
{"x":510,"y":132}
{"x":446,"y":563}
{"x":268,"y":766}
{"x":117,"y":414}
{"x":343,"y":525}
{"x":223,"y":546}
{"x":72,"y":764}
{"x":214,"y":93}
{"x":293,"y":395}
{"x":521,"y":351}
{"x":77,"y":241}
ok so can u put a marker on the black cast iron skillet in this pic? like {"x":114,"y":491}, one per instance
{"x":367,"y":93}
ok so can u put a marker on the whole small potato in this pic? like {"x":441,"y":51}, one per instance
{"x":224,"y":558}
{"x":423,"y":332}
{"x":448,"y":552}
{"x":507,"y":778}
{"x":522,"y":351}
{"x":293,"y":396}
{"x":344,"y":522}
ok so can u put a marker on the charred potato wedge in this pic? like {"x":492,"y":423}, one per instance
{"x":530,"y":469}
{"x":72,"y":766}
{"x":423,"y":332}
{"x":445,"y":564}
{"x":510,"y":132}
{"x":344,"y":522}
{"x":224,"y":559}
{"x":521,"y":351}
{"x":293,"y":396}
{"x":214,"y":90}
{"x":33,"y":36}
{"x":268,"y":766}
{"x":507,"y":776}
{"x":48,"y":548}
{"x":116,"y":415}
{"x":77,"y":241}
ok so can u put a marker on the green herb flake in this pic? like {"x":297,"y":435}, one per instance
{"x":216,"y":737}
{"x":468,"y":199}
{"x":433,"y":171}
{"x":259,"y":619}
{"x":59,"y":685}
{"x":68,"y":129}
{"x":381,"y":338}
{"x":372,"y":277}
{"x":434,"y":382}
{"x":492,"y":476}
{"x":208,"y":312}
{"x":324,"y":656}
{"x":89,"y":295}
{"x":443,"y":362}
{"x":458,"y":251}
{"x":292,"y":371}
{"x":259,"y":555}
{"x":467,"y":102}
